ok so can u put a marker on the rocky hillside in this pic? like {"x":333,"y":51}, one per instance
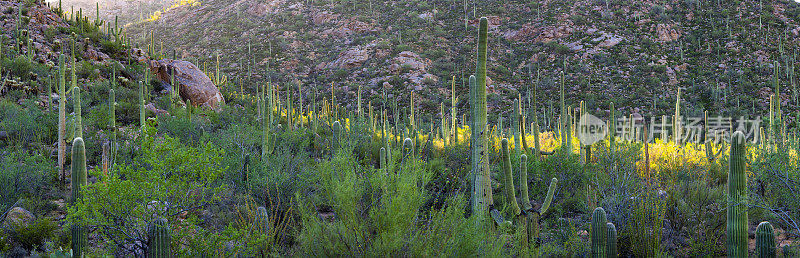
{"x":635,"y":53}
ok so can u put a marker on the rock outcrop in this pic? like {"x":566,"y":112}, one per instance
{"x":194,"y":84}
{"x":18,"y":216}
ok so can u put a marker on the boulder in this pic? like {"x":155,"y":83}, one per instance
{"x":159,"y":112}
{"x":667,"y":33}
{"x":93,"y":54}
{"x":353,"y":57}
{"x":194,"y":84}
{"x":18,"y":216}
{"x":411,"y":60}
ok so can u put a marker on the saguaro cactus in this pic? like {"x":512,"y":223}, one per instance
{"x":158,"y":239}
{"x":112,"y":113}
{"x":382,"y":163}
{"x":508,"y":179}
{"x":765,"y":240}
{"x":523,"y":182}
{"x":564,"y":123}
{"x":516,"y":126}
{"x":62,"y":118}
{"x":599,"y":233}
{"x":612,"y":129}
{"x":737,"y":198}
{"x":80,"y":236}
{"x":532,"y":216}
{"x":482,"y":188}
{"x":676,"y":120}
{"x":510,"y":193}
{"x":261,"y":220}
{"x":611,"y":245}
{"x":76,"y":101}
{"x":141,"y":105}
{"x":408,"y":149}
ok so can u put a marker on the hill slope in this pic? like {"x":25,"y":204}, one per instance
{"x":635,"y":53}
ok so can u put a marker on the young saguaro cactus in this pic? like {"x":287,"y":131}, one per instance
{"x":482,"y":188}
{"x":261,"y":220}
{"x":141,"y":105}
{"x":337,"y":133}
{"x":765,"y":240}
{"x":599,"y":233}
{"x":611,"y":245}
{"x":408,"y":149}
{"x":158,"y":239}
{"x":79,"y":233}
{"x":737,"y":198}
{"x":112,"y":113}
{"x":382,"y":163}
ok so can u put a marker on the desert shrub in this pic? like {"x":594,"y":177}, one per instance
{"x":27,"y":125}
{"x":774,"y":187}
{"x":23,"y":175}
{"x":565,"y":241}
{"x":33,"y":235}
{"x":692,"y":211}
{"x":168,"y":180}
{"x":188,"y":129}
{"x":359,"y":210}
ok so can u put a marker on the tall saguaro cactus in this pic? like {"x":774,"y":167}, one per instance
{"x":677,"y":122}
{"x":79,"y":233}
{"x":566,"y":142}
{"x":535,"y":116}
{"x":482,"y":187}
{"x":158,"y":237}
{"x":599,"y":233}
{"x":612,"y":129}
{"x":62,"y":118}
{"x":737,"y":198}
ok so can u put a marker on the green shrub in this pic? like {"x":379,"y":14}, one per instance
{"x":165,"y":180}
{"x":23,"y":175}
{"x":34,"y":234}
